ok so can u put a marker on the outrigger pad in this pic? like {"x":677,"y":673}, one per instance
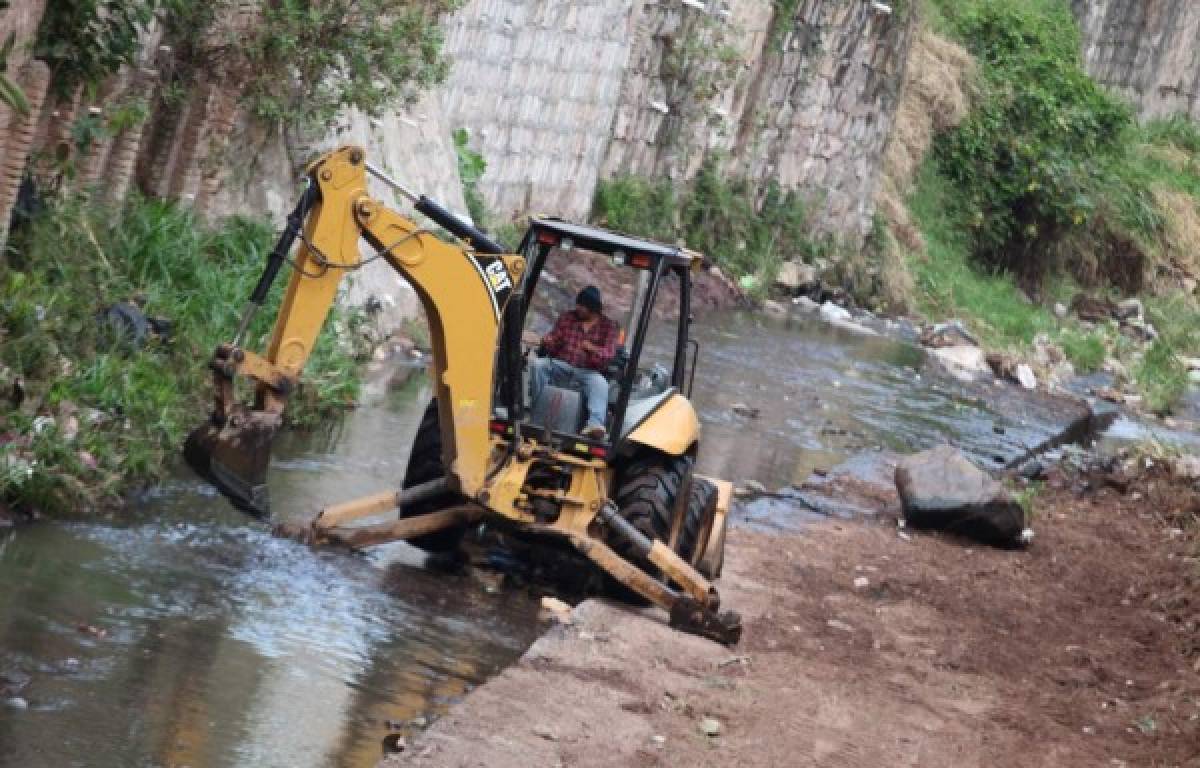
{"x":724,"y":627}
{"x":234,"y":457}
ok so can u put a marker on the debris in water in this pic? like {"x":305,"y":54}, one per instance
{"x":90,"y":629}
{"x":741,"y":409}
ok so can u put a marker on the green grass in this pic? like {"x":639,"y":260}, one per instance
{"x":951,"y":284}
{"x":1161,"y":374}
{"x":132,"y":404}
{"x":1086,"y":351}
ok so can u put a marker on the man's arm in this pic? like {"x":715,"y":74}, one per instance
{"x":552,"y":342}
{"x":600,"y":355}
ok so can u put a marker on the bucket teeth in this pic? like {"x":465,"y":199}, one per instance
{"x":234,"y":457}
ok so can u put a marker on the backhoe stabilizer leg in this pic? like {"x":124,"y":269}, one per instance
{"x":695,"y":611}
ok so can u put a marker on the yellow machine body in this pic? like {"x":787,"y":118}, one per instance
{"x":463,"y":294}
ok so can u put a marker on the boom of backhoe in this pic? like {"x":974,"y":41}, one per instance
{"x":463,"y":289}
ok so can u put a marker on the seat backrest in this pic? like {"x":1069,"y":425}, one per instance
{"x":560,"y":409}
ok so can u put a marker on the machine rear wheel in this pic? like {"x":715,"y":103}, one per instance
{"x":425,"y":464}
{"x":647,"y":494}
{"x":701,"y":509}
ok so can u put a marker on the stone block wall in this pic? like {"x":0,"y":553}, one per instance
{"x":536,"y":84}
{"x":1147,"y":51}
{"x":820,"y":110}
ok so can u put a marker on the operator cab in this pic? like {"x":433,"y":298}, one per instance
{"x":646,"y":289}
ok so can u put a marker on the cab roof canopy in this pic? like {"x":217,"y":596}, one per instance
{"x":606,"y":242}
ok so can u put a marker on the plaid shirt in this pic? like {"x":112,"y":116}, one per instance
{"x":564,"y":342}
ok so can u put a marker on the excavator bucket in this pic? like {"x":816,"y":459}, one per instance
{"x":234,"y":456}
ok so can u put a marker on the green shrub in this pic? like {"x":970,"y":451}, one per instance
{"x":638,"y":206}
{"x":719,"y":217}
{"x":1045,"y":152}
{"x":132,"y":402}
{"x":950,"y":283}
{"x":471,"y":167}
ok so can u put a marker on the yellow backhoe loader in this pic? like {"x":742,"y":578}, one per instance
{"x":628,"y":501}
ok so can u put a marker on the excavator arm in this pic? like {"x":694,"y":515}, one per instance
{"x":463,"y":291}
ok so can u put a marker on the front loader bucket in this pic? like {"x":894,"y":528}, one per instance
{"x":234,"y":457}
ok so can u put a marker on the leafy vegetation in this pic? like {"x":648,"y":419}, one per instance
{"x":304,"y":61}
{"x":96,"y":400}
{"x":1086,"y":351}
{"x":951,"y":283}
{"x":1044,"y":156}
{"x":719,"y":217}
{"x":85,"y":41}
{"x":1051,"y":185}
{"x":471,"y":167}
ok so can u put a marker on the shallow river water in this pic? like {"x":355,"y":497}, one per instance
{"x":183,"y":634}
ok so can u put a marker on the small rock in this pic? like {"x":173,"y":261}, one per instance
{"x":1115,"y":367}
{"x":556,"y":610}
{"x":774,"y":307}
{"x":658,"y":740}
{"x":1109,"y":394}
{"x":841,"y":626}
{"x":16,"y":702}
{"x":1191,"y":363}
{"x":394,"y":744}
{"x":805,"y":304}
{"x":1136,"y":329}
{"x":793,"y":276}
{"x":1091,"y":309}
{"x":419,"y":722}
{"x":710,"y":727}
{"x":1026,"y":535}
{"x":965,"y":363}
{"x":853,"y":327}
{"x":1060,"y":310}
{"x":948,"y":334}
{"x":750,"y":488}
{"x":1025,"y":376}
{"x":543,"y":732}
{"x":861,"y":582}
{"x":1186,"y":467}
{"x":831,"y":312}
{"x":1127,"y":309}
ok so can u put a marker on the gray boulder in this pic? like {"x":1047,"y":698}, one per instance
{"x":941,"y":489}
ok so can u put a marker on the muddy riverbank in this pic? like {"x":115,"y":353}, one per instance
{"x":1078,"y":651}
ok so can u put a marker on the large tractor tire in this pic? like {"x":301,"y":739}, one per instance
{"x":701,"y":510}
{"x":647,"y":493}
{"x":425,"y":464}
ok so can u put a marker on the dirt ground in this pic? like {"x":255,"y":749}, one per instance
{"x":1082,"y":650}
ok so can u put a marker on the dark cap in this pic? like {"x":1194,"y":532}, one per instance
{"x":590,"y":297}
